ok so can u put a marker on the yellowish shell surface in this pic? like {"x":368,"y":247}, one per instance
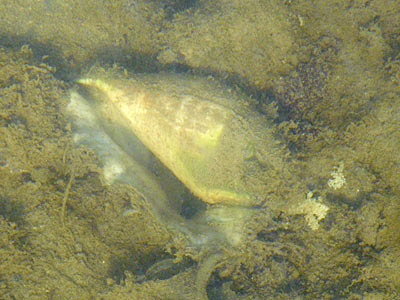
{"x":196,"y":129}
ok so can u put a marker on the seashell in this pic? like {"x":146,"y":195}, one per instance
{"x":209,"y":137}
{"x":192,"y":127}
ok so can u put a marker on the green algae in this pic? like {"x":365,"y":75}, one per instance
{"x":251,"y":39}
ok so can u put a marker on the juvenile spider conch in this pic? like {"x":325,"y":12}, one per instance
{"x":208,"y":136}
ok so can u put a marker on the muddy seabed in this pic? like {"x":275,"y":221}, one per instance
{"x":325,"y":73}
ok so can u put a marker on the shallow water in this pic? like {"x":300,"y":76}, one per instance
{"x":328,"y":88}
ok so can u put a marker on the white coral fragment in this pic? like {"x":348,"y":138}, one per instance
{"x":313,"y":210}
{"x":338,"y":179}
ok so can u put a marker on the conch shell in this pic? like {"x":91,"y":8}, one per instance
{"x":193,"y":127}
